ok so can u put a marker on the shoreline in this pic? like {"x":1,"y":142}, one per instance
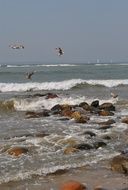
{"x":92,"y":177}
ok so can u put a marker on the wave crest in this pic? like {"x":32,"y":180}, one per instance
{"x":62,"y":85}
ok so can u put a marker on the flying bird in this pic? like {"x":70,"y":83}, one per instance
{"x":59,"y":51}
{"x":29,"y":75}
{"x":113,"y":95}
{"x":16,"y":46}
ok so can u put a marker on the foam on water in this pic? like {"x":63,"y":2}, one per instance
{"x":62,"y":85}
{"x":41,"y":65}
{"x":42,"y":102}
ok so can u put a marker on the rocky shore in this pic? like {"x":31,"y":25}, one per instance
{"x":109,"y":174}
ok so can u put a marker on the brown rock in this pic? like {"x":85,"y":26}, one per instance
{"x":105,"y":127}
{"x":70,"y":150}
{"x":108,"y":122}
{"x":125,"y":120}
{"x":78,"y":117}
{"x":105,"y":113}
{"x":51,"y":95}
{"x":73,"y":185}
{"x":120,"y":164}
{"x":107,"y":106}
{"x":85,"y":106}
{"x":17,"y":151}
{"x":67,"y":113}
{"x":81,"y":120}
{"x":66,"y":107}
{"x":32,"y":114}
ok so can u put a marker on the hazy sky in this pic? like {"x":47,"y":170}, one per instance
{"x":87,"y":30}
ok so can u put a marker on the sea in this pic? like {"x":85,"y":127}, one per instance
{"x":46,"y":138}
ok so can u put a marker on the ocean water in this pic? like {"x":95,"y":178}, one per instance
{"x":73,"y":83}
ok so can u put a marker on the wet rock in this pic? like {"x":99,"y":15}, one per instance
{"x":108,"y":122}
{"x":125,"y":120}
{"x":64,"y":119}
{"x":56,"y":109}
{"x":99,"y":144}
{"x":32,"y":114}
{"x":59,"y":172}
{"x":125,"y":151}
{"x":17,"y":151}
{"x":105,"y":127}
{"x":95,"y":104}
{"x":85,"y":106}
{"x":67,"y":107}
{"x":120,"y":164}
{"x":83,"y":146}
{"x":70,"y":150}
{"x":73,"y":185}
{"x":79,"y":118}
{"x":90,"y":133}
{"x":105,"y":113}
{"x":80,"y":110}
{"x":41,"y":135}
{"x":107,"y":107}
{"x":51,"y":95}
{"x":38,"y":95}
{"x":76,"y":115}
{"x":106,"y":137}
{"x":67,"y":113}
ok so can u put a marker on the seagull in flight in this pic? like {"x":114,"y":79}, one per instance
{"x":29,"y":75}
{"x":59,"y":51}
{"x":16,"y":46}
{"x":113,"y":95}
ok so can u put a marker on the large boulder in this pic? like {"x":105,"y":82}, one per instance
{"x":85,"y":106}
{"x":95,"y":104}
{"x":107,"y":106}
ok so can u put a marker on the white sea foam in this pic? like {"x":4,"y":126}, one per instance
{"x":41,"y":102}
{"x":62,"y":85}
{"x":43,"y":65}
{"x":108,"y":83}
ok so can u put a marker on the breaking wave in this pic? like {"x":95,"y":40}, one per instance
{"x":62,"y":85}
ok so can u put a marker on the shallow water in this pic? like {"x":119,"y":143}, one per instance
{"x":47,"y":137}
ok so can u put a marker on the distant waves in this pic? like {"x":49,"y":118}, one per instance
{"x":38,"y":65}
